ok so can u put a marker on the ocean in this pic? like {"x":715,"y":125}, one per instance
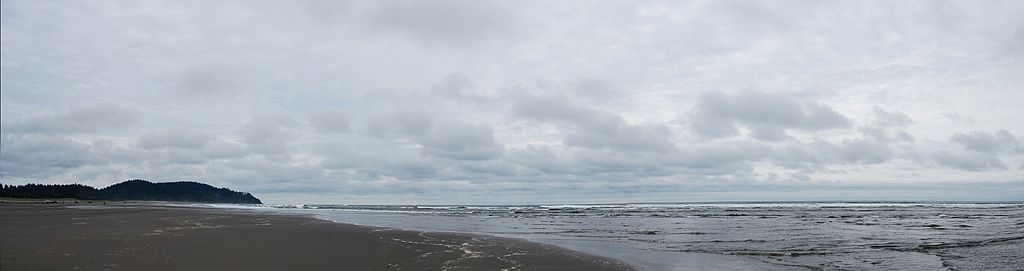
{"x":736,"y":236}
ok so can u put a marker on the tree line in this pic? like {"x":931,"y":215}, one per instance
{"x":185,"y":191}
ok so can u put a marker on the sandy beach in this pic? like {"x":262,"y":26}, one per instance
{"x":52,"y":237}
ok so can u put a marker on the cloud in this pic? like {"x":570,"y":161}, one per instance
{"x":884,"y":134}
{"x":969,"y":161}
{"x":544,"y":160}
{"x":596,"y":89}
{"x":595,"y":129}
{"x":330,"y":121}
{"x":561,"y":109}
{"x":91,"y":119}
{"x":999,"y":142}
{"x":222,"y":150}
{"x":864,"y":151}
{"x":962,"y":119}
{"x":456,"y":86}
{"x":729,"y":155}
{"x":35,"y":156}
{"x":490,"y":102}
{"x":269,"y":134}
{"x":767,"y":115}
{"x":203,"y":82}
{"x":445,"y":21}
{"x":982,"y":151}
{"x":181,"y":138}
{"x":624,"y":138}
{"x":891,"y":118}
{"x":400,"y":123}
{"x":462,"y":141}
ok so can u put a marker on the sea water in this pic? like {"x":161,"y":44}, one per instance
{"x":738,"y":236}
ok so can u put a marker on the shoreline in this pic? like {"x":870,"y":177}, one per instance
{"x":152,"y":237}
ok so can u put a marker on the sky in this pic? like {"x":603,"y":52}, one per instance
{"x":520,"y":102}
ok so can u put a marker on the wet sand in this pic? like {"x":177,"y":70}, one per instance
{"x":49,"y":237}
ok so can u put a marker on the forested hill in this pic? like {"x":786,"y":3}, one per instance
{"x":132,"y":190}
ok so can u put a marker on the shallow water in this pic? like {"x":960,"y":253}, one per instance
{"x":751,"y":236}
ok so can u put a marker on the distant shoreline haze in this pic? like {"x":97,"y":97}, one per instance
{"x":186,"y":191}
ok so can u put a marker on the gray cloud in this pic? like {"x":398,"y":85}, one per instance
{"x":359,"y":101}
{"x":91,"y":119}
{"x":595,"y":129}
{"x":968,"y":161}
{"x":202,"y":82}
{"x":462,"y":141}
{"x":400,"y":123}
{"x":766,"y":115}
{"x":891,"y":118}
{"x":269,"y":134}
{"x":222,"y":150}
{"x":982,"y":151}
{"x":181,"y":138}
{"x":596,"y":89}
{"x":623,"y":138}
{"x":961,"y":118}
{"x":544,"y":160}
{"x":447,"y":21}
{"x":457,"y":86}
{"x":35,"y":156}
{"x":1001,"y":141}
{"x":330,"y":121}
{"x":886,"y":135}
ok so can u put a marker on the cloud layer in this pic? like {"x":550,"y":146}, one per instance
{"x":489,"y":102}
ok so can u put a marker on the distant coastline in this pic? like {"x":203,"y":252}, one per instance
{"x":184,"y":191}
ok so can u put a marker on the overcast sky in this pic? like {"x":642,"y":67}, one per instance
{"x":520,"y":101}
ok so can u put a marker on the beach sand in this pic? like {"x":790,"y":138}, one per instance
{"x":50,"y":237}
